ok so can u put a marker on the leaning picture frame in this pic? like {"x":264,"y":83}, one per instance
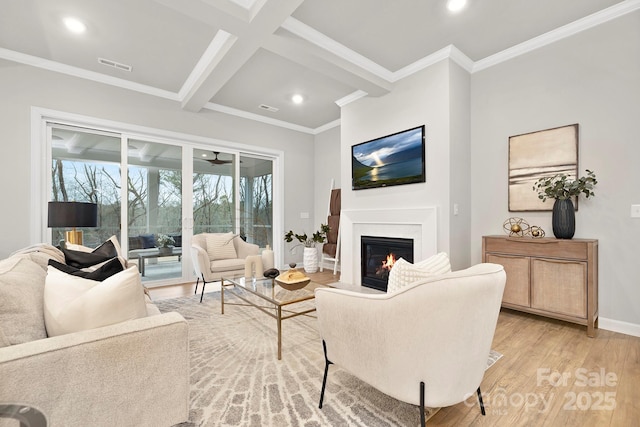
{"x":536,"y":155}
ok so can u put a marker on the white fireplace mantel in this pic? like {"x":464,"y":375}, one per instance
{"x":419,"y":224}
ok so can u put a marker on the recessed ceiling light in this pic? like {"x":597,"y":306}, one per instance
{"x":297,"y":98}
{"x":75,"y":25}
{"x":456,"y":5}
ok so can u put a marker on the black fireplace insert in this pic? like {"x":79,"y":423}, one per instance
{"x":377,"y":257}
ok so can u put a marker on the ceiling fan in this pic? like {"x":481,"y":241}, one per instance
{"x":217,"y":161}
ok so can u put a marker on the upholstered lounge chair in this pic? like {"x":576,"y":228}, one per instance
{"x":212,"y":263}
{"x":427,"y":344}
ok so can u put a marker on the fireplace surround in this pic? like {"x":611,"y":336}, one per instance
{"x":419,"y":224}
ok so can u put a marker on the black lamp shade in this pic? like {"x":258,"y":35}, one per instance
{"x":72,"y":214}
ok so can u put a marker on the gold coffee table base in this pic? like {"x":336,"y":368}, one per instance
{"x":266,"y":290}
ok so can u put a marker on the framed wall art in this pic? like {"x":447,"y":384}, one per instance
{"x":537,"y":155}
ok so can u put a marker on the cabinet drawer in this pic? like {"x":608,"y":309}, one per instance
{"x":516,"y":290}
{"x":547,"y":247}
{"x":559,"y":287}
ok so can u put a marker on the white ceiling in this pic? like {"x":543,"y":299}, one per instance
{"x":234,"y":55}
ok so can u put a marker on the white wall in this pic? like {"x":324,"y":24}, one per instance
{"x":460,"y":167}
{"x":327,"y":167}
{"x":24,"y":87}
{"x":592,"y":78}
{"x":423,"y":98}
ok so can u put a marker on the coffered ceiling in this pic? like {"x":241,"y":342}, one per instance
{"x":248,"y":57}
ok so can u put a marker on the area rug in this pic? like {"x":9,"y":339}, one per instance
{"x":237,"y":380}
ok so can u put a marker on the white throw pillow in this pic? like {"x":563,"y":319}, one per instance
{"x":74,"y":303}
{"x":404,"y":273}
{"x":220,"y":246}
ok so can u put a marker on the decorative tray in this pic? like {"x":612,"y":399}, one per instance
{"x":292,"y":280}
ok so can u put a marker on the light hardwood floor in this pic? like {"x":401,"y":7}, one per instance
{"x":551,"y":374}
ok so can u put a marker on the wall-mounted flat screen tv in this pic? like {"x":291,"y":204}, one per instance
{"x":394,"y":159}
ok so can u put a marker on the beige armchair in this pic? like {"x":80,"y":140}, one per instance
{"x":212,"y":270}
{"x":426,"y":344}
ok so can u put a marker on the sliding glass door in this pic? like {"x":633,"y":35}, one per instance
{"x":154,"y":208}
{"x":214,"y":208}
{"x":256,"y":199}
{"x":154,"y":194}
{"x":85,"y":167}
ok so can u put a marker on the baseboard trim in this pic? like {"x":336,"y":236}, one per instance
{"x":619,"y":326}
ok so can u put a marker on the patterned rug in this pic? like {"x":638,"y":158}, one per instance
{"x":236,"y":379}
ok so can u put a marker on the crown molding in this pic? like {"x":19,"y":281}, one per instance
{"x":57,"y":67}
{"x":457,"y":56}
{"x":560,"y":33}
{"x":256,"y":117}
{"x":326,"y":127}
{"x":354,"y":96}
{"x":274,"y":122}
{"x":314,"y":36}
{"x":449,"y":52}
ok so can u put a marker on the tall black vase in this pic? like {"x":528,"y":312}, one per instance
{"x":563,"y":219}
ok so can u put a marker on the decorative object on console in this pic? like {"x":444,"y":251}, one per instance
{"x":394,"y":159}
{"x":72,"y":214}
{"x":519,"y":227}
{"x":515,"y":226}
{"x":310,"y":259}
{"x":536,"y":232}
{"x":561,"y":188}
{"x":538,"y":155}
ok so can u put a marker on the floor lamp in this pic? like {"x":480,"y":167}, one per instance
{"x":73,"y":214}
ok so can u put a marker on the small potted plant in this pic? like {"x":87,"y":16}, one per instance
{"x":165,"y":244}
{"x":563,"y":190}
{"x":310,"y":259}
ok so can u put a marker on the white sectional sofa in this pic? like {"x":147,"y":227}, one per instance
{"x":131,"y":373}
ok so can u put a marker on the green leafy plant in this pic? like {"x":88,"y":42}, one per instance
{"x":561,"y":187}
{"x":164,"y":241}
{"x":308,"y":241}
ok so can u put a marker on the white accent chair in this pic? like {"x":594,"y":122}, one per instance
{"x":426,"y":344}
{"x":213,"y":270}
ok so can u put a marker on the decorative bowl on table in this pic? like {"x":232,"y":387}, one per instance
{"x":292,"y":280}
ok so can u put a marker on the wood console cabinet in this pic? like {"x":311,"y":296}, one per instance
{"x":550,"y":277}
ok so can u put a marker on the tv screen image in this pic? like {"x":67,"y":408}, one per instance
{"x":394,"y":159}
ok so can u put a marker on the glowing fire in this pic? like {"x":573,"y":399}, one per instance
{"x":388,"y":263}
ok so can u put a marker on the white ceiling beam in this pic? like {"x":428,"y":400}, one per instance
{"x":213,"y":78}
{"x":328,"y":63}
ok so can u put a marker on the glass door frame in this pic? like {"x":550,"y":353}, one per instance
{"x":41,"y":138}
